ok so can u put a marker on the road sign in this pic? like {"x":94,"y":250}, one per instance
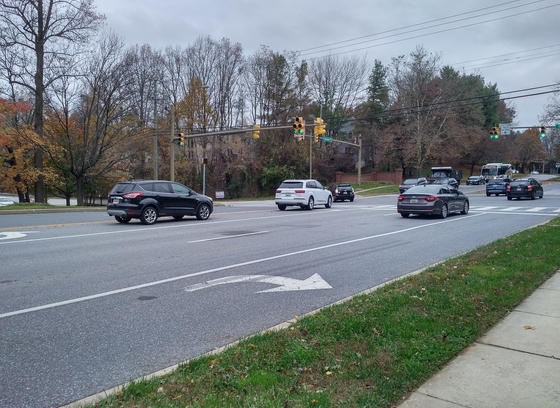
{"x":327,"y":139}
{"x":557,"y":126}
{"x":505,"y":128}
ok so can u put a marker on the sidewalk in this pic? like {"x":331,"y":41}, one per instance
{"x":515,"y":365}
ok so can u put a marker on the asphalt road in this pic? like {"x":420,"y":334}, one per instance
{"x":87,"y":303}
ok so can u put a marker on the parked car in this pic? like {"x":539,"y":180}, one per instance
{"x":150,"y":199}
{"x":476,"y":180}
{"x":306,"y":193}
{"x":525,"y":187}
{"x":4,"y":201}
{"x":497,"y":186}
{"x":412,"y":182}
{"x":433,"y":199}
{"x":342,"y":191}
{"x":534,"y":172}
{"x":450,"y":181}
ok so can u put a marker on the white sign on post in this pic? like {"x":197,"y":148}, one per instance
{"x":505,"y":129}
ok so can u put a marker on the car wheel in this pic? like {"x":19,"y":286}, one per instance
{"x":465,"y":209}
{"x":405,"y":215}
{"x":444,"y":211}
{"x":329,"y":203}
{"x":487,"y":194}
{"x":311,"y":203}
{"x":149,"y":215}
{"x":281,"y":207}
{"x":352,"y":200}
{"x":122,"y":220}
{"x":541,"y":196}
{"x":203,"y":212}
{"x":509,"y":198}
{"x":178,"y":217}
{"x":532,"y":195}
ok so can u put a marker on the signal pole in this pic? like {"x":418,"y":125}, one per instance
{"x":172,"y":147}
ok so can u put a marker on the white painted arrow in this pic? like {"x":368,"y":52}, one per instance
{"x":285,"y":284}
{"x":12,"y":234}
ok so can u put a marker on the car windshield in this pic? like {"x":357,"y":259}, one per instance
{"x":473,"y":177}
{"x":410,"y":181}
{"x":423,"y":189}
{"x":291,"y":184}
{"x":520,"y":183}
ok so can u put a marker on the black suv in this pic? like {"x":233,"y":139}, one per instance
{"x":150,"y":199}
{"x":342,"y":191}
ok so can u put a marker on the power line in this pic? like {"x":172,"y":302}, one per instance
{"x":418,"y":24}
{"x":423,"y":35}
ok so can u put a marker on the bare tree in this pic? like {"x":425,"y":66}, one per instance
{"x":37,"y":38}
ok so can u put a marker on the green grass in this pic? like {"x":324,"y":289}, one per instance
{"x":39,"y":206}
{"x":372,"y":350}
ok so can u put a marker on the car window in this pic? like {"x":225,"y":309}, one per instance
{"x":180,"y":189}
{"x":319,"y":185}
{"x":444,"y":190}
{"x":123,"y":188}
{"x":291,"y":184}
{"x":410,"y":181}
{"x":311,"y":184}
{"x":161,"y":188}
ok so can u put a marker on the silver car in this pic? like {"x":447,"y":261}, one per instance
{"x":305,"y":193}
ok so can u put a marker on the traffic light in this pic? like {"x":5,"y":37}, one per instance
{"x":543,"y":132}
{"x":319,"y":128}
{"x":256,"y":131}
{"x":181,"y":139}
{"x":495,"y":132}
{"x":299,"y":127}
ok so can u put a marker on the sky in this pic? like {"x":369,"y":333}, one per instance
{"x":514,"y":44}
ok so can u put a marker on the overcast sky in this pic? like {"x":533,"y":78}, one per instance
{"x":515,"y":44}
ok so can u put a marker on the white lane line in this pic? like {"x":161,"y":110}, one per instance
{"x":224,"y":268}
{"x":227,"y":237}
{"x":536,"y":209}
{"x":512,"y":209}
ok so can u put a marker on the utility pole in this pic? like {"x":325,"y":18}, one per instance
{"x":155,"y":133}
{"x":172,"y":145}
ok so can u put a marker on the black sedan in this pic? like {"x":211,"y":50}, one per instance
{"x":432,"y":199}
{"x":525,"y":187}
{"x":411,"y":182}
{"x":342,"y":191}
{"x":476,"y":180}
{"x":497,"y":186}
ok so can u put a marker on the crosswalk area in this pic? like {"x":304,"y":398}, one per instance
{"x":473,"y":208}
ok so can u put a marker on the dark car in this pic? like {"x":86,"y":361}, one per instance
{"x":342,"y":191}
{"x":497,"y":186}
{"x":476,"y":180}
{"x":411,"y":182}
{"x":150,"y":199}
{"x":525,"y":187}
{"x":448,"y":180}
{"x":432,"y":199}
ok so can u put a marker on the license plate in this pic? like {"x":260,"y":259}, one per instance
{"x":413,"y":200}
{"x":115,"y":200}
{"x":287,"y":195}
{"x":518,"y":188}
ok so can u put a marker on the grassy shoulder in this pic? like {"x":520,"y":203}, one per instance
{"x":39,"y":206}
{"x":371,"y":350}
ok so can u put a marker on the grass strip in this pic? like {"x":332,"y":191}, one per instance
{"x":372,"y":350}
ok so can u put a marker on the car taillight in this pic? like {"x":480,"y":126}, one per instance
{"x":133,"y":195}
{"x":299,"y":191}
{"x":508,"y":188}
{"x":529,"y":188}
{"x":430,"y":198}
{"x":400,"y":198}
{"x":278,"y":191}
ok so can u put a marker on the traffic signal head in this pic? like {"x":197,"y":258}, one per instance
{"x":494,"y":133}
{"x":256,"y":131}
{"x":543,"y":131}
{"x":299,"y":127}
{"x":181,"y":139}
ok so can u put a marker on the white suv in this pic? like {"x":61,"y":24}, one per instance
{"x":302,"y":193}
